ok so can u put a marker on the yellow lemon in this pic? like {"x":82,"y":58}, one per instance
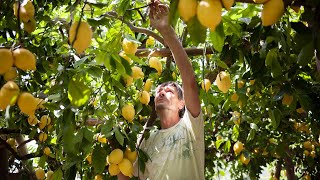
{"x":128,"y":112}
{"x":147,"y":85}
{"x":187,"y":9}
{"x":234,"y":97}
{"x":306,"y":153}
{"x":223,"y":81}
{"x":287,"y":99}
{"x":40,"y":174}
{"x":272,"y":12}
{"x":29,"y":26}
{"x":227,"y":4}
{"x":43,"y":137}
{"x":300,"y":110}
{"x":209,"y":13}
{"x":252,"y":81}
{"x":80,"y":40}
{"x":44,"y":120}
{"x":313,"y":154}
{"x":27,"y":103}
{"x":131,"y":155}
{"x":137,"y":72}
{"x":98,"y":177}
{"x":126,"y":167}
{"x":260,"y":1}
{"x":236,"y":116}
{"x":6,"y":60}
{"x":240,"y":84}
{"x":11,"y":74}
{"x":11,"y":141}
{"x":32,"y":120}
{"x":29,"y":8}
{"x":155,"y":63}
{"x":124,"y":56}
{"x":47,"y":151}
{"x":116,"y":156}
{"x":238,"y":147}
{"x":129,"y":47}
{"x":89,"y":158}
{"x":128,"y":80}
{"x":144,"y":97}
{"x":113,"y":169}
{"x":307,"y":145}
{"x":206,"y":84}
{"x":50,"y":175}
{"x":150,"y":41}
{"x":8,"y":94}
{"x":245,"y":160}
{"x":23,"y":14}
{"x":24,"y":59}
{"x":102,"y":139}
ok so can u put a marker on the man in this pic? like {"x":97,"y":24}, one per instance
{"x":177,"y":150}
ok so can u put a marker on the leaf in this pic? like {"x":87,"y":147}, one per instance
{"x":95,"y":71}
{"x":217,"y":38}
{"x":275,"y":116}
{"x":68,"y":130}
{"x":218,"y":143}
{"x":271,"y":56}
{"x":173,"y":13}
{"x":227,"y":146}
{"x":78,"y":91}
{"x":306,"y":54}
{"x":196,"y":30}
{"x":119,"y":136}
{"x":42,"y":161}
{"x":126,"y":66}
{"x":87,"y":134}
{"x":272,"y":62}
{"x":107,"y":127}
{"x":99,"y":156}
{"x":235,"y":133}
{"x":251,"y":135}
{"x":221,"y":64}
{"x":57,"y":175}
{"x":254,"y":126}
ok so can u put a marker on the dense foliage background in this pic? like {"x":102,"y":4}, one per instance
{"x":85,"y":92}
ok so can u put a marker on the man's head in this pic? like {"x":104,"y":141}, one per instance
{"x":170,"y":95}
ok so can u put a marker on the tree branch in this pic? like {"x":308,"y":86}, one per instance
{"x":9,"y":131}
{"x":165,"y":52}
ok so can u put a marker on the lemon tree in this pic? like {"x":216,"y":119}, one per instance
{"x":77,"y":82}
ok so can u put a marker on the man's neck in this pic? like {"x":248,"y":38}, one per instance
{"x":168,"y":118}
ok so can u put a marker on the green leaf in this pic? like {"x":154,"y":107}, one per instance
{"x":306,"y":54}
{"x":87,"y":134}
{"x":271,"y":56}
{"x":68,"y":130}
{"x":196,"y":30}
{"x":107,"y":127}
{"x":78,"y":91}
{"x":217,"y":38}
{"x":275,"y":116}
{"x":272,"y":62}
{"x":99,"y":156}
{"x":173,"y":14}
{"x":119,"y":136}
{"x":251,"y":135}
{"x":227,"y":146}
{"x":42,"y":161}
{"x":218,"y":143}
{"x":95,"y":71}
{"x":221,"y":64}
{"x":57,"y":175}
{"x":235,"y":133}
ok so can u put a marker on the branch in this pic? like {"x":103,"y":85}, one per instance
{"x":114,"y":15}
{"x":278,"y":169}
{"x":165,"y":52}
{"x":9,"y":131}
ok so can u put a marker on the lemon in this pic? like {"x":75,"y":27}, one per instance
{"x":102,"y":139}
{"x":209,"y":13}
{"x":234,"y":97}
{"x":80,"y":40}
{"x":116,"y":156}
{"x":89,"y":158}
{"x":29,"y":26}
{"x":113,"y":169}
{"x":27,"y":103}
{"x":129,"y":47}
{"x":252,"y":81}
{"x":126,"y":167}
{"x":150,"y":41}
{"x":6,"y":60}
{"x":40,"y":174}
{"x":44,"y":120}
{"x":206,"y":84}
{"x":24,"y":59}
{"x":245,"y":160}
{"x":124,"y":56}
{"x":23,"y":14}
{"x":307,"y":177}
{"x":306,"y":153}
{"x":313,"y":154}
{"x":237,"y":147}
{"x":40,"y":103}
{"x":47,"y":151}
{"x":287,"y":99}
{"x":144,"y":97}
{"x":137,"y":72}
{"x":8,"y":94}
{"x":227,"y":4}
{"x":307,"y":145}
{"x":50,"y":175}
{"x":130,"y":155}
{"x":98,"y":177}
{"x":300,"y":110}
{"x":32,"y":120}
{"x":236,"y":116}
{"x":128,"y":80}
{"x":11,"y":74}
{"x":155,"y":63}
{"x":147,"y":85}
{"x":43,"y":137}
{"x":187,"y":9}
{"x":272,"y":12}
{"x":128,"y":112}
{"x":29,"y":8}
{"x":11,"y":141}
{"x":240,"y":84}
{"x":260,"y":1}
{"x":223,"y":81}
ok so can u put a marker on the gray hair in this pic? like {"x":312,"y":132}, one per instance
{"x":180,"y":93}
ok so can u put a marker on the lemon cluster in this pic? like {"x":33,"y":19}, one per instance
{"x":121,"y":162}
{"x":26,"y":15}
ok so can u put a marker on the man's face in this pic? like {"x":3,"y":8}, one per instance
{"x":167,"y":98}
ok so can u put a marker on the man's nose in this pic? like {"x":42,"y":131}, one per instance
{"x":161,"y":94}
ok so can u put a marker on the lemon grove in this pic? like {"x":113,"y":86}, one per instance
{"x":78,"y":79}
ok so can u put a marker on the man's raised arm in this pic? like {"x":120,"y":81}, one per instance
{"x":160,"y":20}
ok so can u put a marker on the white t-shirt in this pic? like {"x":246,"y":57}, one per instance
{"x":176,"y":153}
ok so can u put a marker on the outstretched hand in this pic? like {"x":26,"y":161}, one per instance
{"x":159,"y":15}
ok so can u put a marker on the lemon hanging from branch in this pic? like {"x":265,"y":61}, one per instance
{"x":209,"y":13}
{"x":187,"y":9}
{"x":223,"y":81}
{"x":6,"y":60}
{"x":80,"y":35}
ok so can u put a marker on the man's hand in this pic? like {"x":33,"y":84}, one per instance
{"x":159,"y":16}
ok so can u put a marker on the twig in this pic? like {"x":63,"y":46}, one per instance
{"x":9,"y":131}
{"x":78,"y":26}
{"x":165,"y":52}
{"x":137,"y":8}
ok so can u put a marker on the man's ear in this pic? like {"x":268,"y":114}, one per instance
{"x":181,"y":104}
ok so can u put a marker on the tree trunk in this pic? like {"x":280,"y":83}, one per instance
{"x":4,"y":163}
